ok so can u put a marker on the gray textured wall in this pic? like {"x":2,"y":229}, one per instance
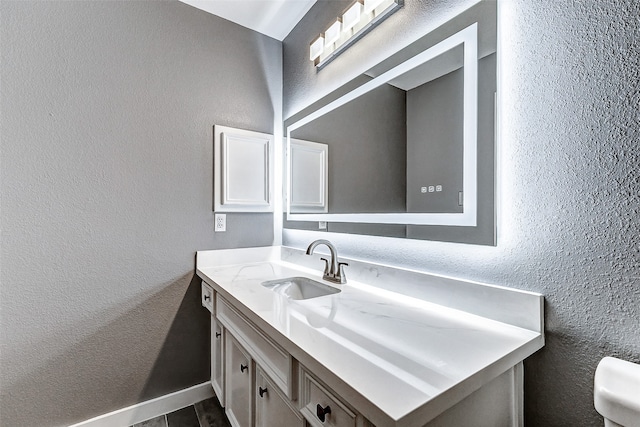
{"x":569,"y":178}
{"x":107,"y":121}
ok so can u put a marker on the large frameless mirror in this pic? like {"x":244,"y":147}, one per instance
{"x":407,"y":149}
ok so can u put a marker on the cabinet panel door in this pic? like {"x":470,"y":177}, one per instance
{"x":243,"y":170}
{"x":272,"y":408}
{"x":238,"y":384}
{"x":217,"y":359}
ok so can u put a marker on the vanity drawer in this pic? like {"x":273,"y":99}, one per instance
{"x":275,"y":361}
{"x":206,"y":296}
{"x":316,"y":400}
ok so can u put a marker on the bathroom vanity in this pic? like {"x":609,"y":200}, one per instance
{"x":391,"y":347}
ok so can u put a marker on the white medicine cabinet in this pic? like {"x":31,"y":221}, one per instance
{"x":242,"y":170}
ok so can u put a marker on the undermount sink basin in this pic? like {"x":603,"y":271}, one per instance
{"x":300,"y":287}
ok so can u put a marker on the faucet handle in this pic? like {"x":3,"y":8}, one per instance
{"x":326,"y":265}
{"x":340,"y":272}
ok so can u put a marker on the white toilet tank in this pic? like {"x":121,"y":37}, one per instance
{"x":616,"y":392}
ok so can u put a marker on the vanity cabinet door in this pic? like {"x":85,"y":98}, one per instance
{"x":217,"y":359}
{"x":238,"y":384}
{"x":272,"y":407}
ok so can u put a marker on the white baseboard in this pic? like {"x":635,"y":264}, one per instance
{"x":151,"y":408}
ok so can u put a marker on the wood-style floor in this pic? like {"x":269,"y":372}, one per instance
{"x":207,"y":413}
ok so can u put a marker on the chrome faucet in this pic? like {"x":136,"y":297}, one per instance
{"x":334,"y":270}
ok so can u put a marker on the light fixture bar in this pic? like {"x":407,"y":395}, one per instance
{"x":357,"y":20}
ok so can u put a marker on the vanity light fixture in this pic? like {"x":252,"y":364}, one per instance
{"x":357,"y":20}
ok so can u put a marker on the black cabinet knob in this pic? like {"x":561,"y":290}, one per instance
{"x":218,"y":334}
{"x":322,"y":412}
{"x":243,"y":367}
{"x":262,"y":391}
{"x":207,"y":297}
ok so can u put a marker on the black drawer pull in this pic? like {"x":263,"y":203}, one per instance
{"x":243,"y":367}
{"x":262,"y":391}
{"x":206,"y":297}
{"x":322,"y":412}
{"x":218,"y":334}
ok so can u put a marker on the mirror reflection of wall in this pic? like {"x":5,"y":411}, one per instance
{"x":309,"y":176}
{"x":434,"y":145}
{"x":367,"y":152}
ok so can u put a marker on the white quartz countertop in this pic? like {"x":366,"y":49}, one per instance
{"x":409,"y":358}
